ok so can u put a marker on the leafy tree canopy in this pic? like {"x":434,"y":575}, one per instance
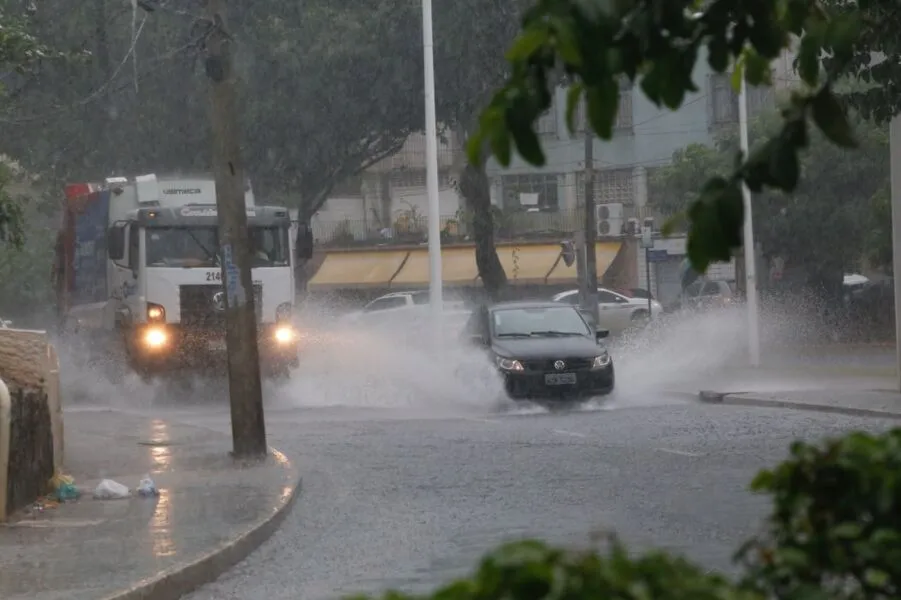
{"x":657,"y":43}
{"x":830,"y":220}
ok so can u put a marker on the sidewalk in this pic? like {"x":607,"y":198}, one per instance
{"x":861,"y":360}
{"x":862,"y":403}
{"x":209,"y":515}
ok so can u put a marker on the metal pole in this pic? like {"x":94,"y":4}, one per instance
{"x":647,"y":269}
{"x":749,"y":246}
{"x":590,"y":293}
{"x":895,"y":166}
{"x":431,"y":155}
{"x":244,"y":385}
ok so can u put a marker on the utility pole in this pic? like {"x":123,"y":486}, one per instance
{"x":590,"y":282}
{"x":895,"y":177}
{"x":244,"y":384}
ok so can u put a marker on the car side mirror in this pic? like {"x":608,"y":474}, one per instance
{"x":602,"y":334}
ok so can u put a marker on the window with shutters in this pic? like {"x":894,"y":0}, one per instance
{"x":534,"y":190}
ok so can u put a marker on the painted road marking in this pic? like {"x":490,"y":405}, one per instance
{"x":679,"y":452}
{"x":568,"y":433}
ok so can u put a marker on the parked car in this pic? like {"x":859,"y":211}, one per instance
{"x":617,"y":311}
{"x":544,"y":350}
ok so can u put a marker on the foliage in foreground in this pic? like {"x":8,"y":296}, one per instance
{"x":657,"y":44}
{"x":834,"y":533}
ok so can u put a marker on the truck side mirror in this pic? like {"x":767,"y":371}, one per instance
{"x":115,"y":244}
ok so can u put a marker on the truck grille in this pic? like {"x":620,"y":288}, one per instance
{"x":198,"y":308}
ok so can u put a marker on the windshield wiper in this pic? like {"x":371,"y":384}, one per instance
{"x":500,"y":335}
{"x":210,"y":255}
{"x":565,"y":333}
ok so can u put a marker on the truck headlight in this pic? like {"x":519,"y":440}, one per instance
{"x":285,"y":334}
{"x":155,"y":313}
{"x":155,"y":338}
{"x":284,"y":312}
{"x":508,"y":364}
{"x":601,"y":361}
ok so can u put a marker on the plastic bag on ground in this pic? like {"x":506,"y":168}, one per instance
{"x":147,"y":488}
{"x":108,"y":489}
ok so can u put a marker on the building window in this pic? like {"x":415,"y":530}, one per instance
{"x":408,"y":178}
{"x":536,"y":190}
{"x":723,"y":100}
{"x":624,"y":114}
{"x":611,"y":186}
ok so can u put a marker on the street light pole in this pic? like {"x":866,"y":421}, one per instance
{"x":895,"y":170}
{"x":749,"y":246}
{"x":590,"y":284}
{"x":244,"y":385}
{"x":431,"y":157}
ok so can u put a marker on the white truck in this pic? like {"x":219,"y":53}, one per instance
{"x":139,"y":275}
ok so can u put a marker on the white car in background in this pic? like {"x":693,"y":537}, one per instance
{"x":617,"y":312}
{"x":389,"y":304}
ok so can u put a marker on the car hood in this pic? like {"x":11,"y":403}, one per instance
{"x":547,"y":347}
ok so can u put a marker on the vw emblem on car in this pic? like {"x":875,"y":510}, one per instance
{"x":219,"y":301}
{"x":559,"y":365}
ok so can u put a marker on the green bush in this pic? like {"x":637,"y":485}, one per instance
{"x":835,"y":529}
{"x":834,"y":533}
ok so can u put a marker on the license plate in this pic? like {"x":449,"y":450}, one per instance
{"x":560,"y":379}
{"x":216,"y":345}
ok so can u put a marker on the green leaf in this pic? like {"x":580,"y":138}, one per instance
{"x":527,"y":43}
{"x":573,"y":96}
{"x":737,"y":73}
{"x":830,"y":117}
{"x":528,"y":144}
{"x":809,"y":58}
{"x":847,"y":531}
{"x":603,"y":102}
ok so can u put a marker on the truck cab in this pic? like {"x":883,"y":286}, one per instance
{"x":163,"y":294}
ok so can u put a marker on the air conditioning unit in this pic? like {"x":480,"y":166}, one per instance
{"x":633,"y":227}
{"x":609,"y":219}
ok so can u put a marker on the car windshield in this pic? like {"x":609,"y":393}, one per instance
{"x":199,"y":246}
{"x":541,"y":321}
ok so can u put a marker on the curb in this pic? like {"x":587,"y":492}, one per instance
{"x":746,"y":399}
{"x":838,"y":369}
{"x":184,"y":579}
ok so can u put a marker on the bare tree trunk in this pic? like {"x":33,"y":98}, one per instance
{"x":476,"y":193}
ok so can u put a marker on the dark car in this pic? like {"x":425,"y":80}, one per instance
{"x":544,"y":350}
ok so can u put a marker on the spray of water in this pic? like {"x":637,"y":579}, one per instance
{"x":391,"y":361}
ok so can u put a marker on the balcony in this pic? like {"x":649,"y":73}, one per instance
{"x":412,"y":229}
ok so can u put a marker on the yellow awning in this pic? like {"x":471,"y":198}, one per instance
{"x":528,"y":264}
{"x":362,"y":269}
{"x":458,"y":267}
{"x":605,"y":251}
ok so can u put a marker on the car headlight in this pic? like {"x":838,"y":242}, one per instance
{"x":155,"y":338}
{"x":508,"y":364}
{"x":285,"y":334}
{"x":601,"y":361}
{"x":155,"y":313}
{"x":284,"y":312}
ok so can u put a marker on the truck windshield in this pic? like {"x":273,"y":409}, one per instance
{"x":199,"y":247}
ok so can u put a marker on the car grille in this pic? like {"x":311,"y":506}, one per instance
{"x":548,"y":365}
{"x":197,"y":307}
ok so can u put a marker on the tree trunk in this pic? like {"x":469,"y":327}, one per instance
{"x":476,"y":193}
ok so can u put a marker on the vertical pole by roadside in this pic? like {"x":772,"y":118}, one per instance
{"x":590,"y":286}
{"x":647,"y":273}
{"x":895,"y":175}
{"x":244,"y":381}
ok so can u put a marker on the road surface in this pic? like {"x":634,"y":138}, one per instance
{"x":394,"y":499}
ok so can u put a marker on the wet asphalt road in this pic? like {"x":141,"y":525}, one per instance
{"x":392,"y":499}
